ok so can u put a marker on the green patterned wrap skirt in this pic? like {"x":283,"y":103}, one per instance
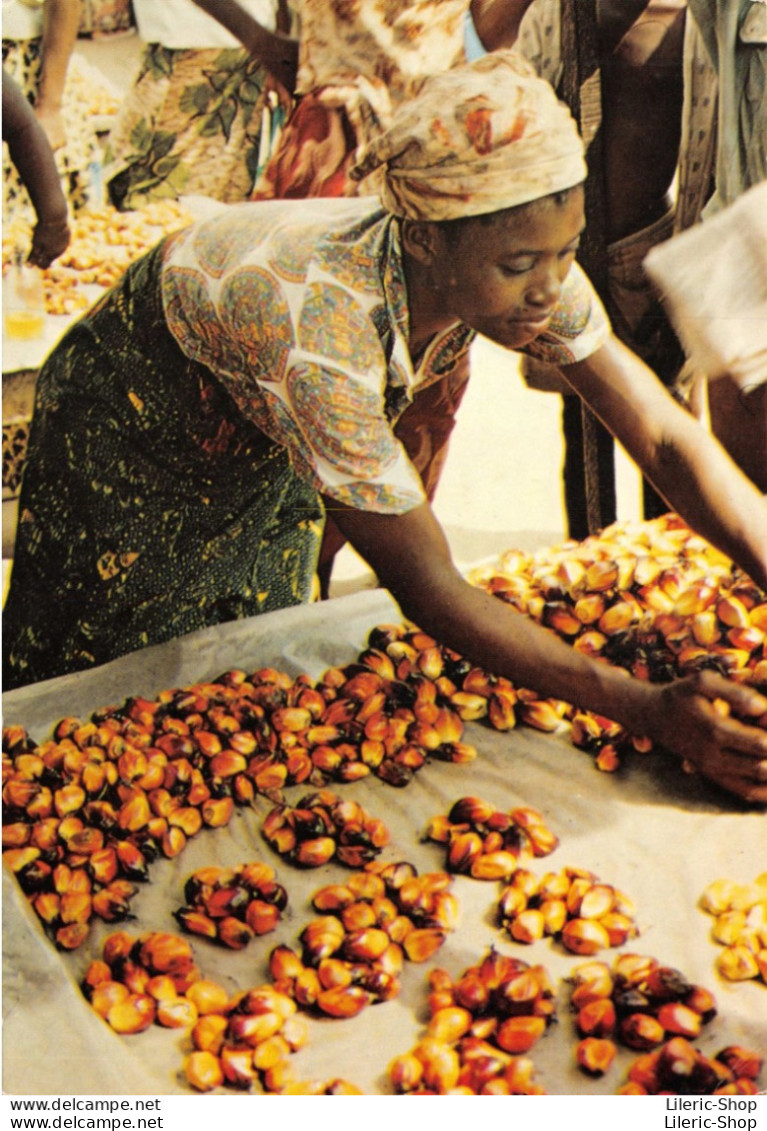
{"x":150,"y":507}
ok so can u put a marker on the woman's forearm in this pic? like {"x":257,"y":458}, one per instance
{"x":410,"y":555}
{"x":503,"y":641}
{"x":414,"y":563}
{"x":682,"y":460}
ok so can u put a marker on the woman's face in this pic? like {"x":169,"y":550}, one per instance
{"x":503,"y":278}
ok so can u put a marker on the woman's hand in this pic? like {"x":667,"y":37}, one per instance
{"x":694,"y":718}
{"x":411,"y":557}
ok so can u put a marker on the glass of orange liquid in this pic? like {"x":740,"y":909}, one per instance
{"x":23,"y":302}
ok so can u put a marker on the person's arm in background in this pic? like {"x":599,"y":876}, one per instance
{"x":61,"y":20}
{"x":277,"y":51}
{"x":497,"y":21}
{"x":32,"y":156}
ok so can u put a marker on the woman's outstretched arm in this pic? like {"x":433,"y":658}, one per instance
{"x":411,"y":558}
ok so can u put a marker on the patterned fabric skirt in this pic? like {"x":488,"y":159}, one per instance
{"x":149,"y":506}
{"x":313,"y":156}
{"x":23,"y":62}
{"x":191,"y":124}
{"x":103,"y":17}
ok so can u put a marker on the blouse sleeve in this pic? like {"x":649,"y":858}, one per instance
{"x":580,"y":325}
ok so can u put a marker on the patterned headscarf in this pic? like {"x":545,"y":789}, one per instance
{"x":475,"y":139}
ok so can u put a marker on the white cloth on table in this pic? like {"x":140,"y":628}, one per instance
{"x":657,"y":834}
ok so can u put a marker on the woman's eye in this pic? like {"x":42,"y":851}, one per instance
{"x":518,"y":267}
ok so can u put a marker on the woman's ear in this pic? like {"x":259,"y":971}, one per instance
{"x":421,"y":240}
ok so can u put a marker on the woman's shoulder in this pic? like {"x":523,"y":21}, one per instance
{"x":281,"y":272}
{"x":283,"y":236}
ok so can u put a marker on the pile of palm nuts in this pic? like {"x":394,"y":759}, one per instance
{"x":572,"y":905}
{"x":237,"y":1041}
{"x":143,"y":981}
{"x":350,"y":957}
{"x":637,"y":1003}
{"x":88,"y":810}
{"x":652,"y":598}
{"x":105,"y":796}
{"x":480,"y":1026}
{"x":678,"y":1068}
{"x":323,"y":827}
{"x":353,"y":954}
{"x":740,"y":927}
{"x":126,"y":235}
{"x":655,"y":1010}
{"x":487,"y":844}
{"x":232,"y":905}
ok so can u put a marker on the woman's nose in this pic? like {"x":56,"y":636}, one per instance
{"x":544,"y":288}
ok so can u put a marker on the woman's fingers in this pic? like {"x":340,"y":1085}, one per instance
{"x":745,"y":701}
{"x":746,"y":742}
{"x":702,"y":725}
{"x":747,"y":790}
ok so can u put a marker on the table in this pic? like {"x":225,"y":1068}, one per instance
{"x":656,"y":833}
{"x":30,"y":354}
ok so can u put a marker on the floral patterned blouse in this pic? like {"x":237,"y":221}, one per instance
{"x":300,"y":309}
{"x":369,"y":55}
{"x":392,"y":41}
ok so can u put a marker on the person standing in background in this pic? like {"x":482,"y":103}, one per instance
{"x":354,"y":64}
{"x":734,"y":104}
{"x":192,"y":122}
{"x":38,"y":40}
{"x":734,"y":33}
{"x":684,"y":88}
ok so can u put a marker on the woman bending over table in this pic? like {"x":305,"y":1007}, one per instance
{"x":250,"y":374}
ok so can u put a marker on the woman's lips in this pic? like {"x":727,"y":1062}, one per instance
{"x":535,"y":323}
